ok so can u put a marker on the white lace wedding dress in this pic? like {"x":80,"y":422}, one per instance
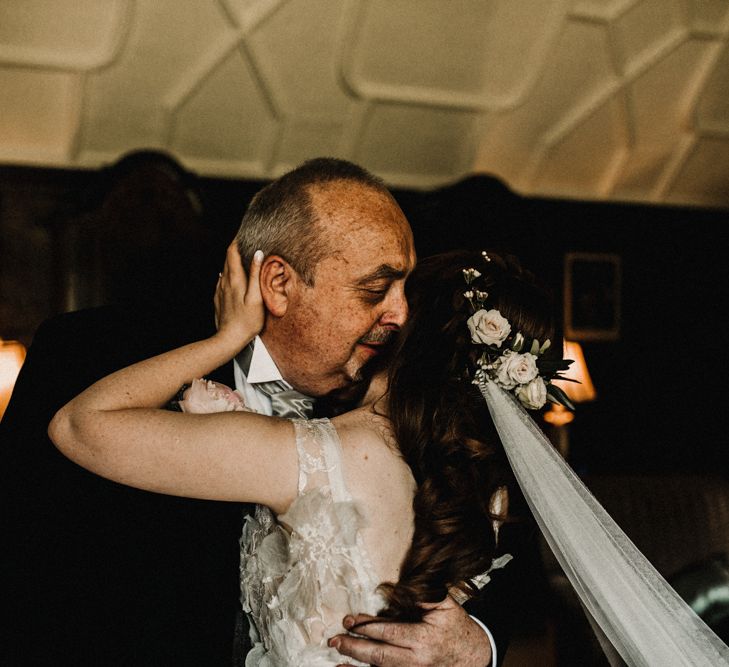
{"x":299,"y":581}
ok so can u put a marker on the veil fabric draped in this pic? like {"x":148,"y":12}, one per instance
{"x":634,"y":611}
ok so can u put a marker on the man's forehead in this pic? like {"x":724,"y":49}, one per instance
{"x":365,"y":229}
{"x":350,"y":203}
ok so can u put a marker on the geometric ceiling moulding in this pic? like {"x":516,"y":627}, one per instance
{"x":296,"y":50}
{"x":226,"y":125}
{"x":63,"y":34}
{"x":38,"y":115}
{"x":600,"y":10}
{"x":248,"y":14}
{"x":646,"y":31}
{"x":704,"y":171}
{"x":587,"y":156}
{"x":465,"y":54}
{"x":126,"y":105}
{"x":709,"y":16}
{"x":415,"y":146}
{"x":712,"y":111}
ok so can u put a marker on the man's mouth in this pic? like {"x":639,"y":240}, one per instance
{"x":373,"y":348}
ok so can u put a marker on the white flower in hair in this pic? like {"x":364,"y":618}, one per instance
{"x":488,"y":327}
{"x":470,"y":275}
{"x":532,"y":395}
{"x":513,"y":369}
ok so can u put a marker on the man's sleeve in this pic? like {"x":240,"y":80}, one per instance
{"x":516,"y":592}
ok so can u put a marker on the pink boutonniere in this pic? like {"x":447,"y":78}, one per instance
{"x":205,"y":396}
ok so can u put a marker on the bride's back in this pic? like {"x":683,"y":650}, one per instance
{"x":382,"y":484}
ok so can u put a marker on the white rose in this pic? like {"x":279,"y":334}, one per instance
{"x":514,"y":368}
{"x":488,"y":327}
{"x":533,"y":395}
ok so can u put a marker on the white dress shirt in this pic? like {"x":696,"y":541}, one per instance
{"x":263,"y":369}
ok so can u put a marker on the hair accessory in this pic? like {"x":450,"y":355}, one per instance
{"x":508,"y":358}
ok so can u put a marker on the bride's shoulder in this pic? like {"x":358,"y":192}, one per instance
{"x":364,"y":433}
{"x":364,"y":426}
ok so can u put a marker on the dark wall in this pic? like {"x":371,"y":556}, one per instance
{"x":661,"y":385}
{"x":662,"y":392}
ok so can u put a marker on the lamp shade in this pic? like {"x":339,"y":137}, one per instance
{"x":585,"y":390}
{"x":12,"y":356}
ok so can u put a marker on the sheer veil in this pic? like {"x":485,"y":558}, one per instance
{"x":637,"y":616}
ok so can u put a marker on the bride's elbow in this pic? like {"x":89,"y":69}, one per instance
{"x":64,"y":432}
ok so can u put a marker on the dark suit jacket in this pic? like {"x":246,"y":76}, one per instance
{"x":100,"y":573}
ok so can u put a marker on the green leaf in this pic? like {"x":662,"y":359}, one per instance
{"x":562,"y":378}
{"x":535,"y":347}
{"x":556,"y":395}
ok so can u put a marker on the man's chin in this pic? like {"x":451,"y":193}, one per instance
{"x":341,"y":399}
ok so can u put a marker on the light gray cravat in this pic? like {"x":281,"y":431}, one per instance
{"x":285,"y":402}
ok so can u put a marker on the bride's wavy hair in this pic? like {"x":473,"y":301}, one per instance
{"x":442,"y":424}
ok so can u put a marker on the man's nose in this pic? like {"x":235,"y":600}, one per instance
{"x":397,"y":308}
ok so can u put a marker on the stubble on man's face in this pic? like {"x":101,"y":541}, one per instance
{"x":357,"y":302}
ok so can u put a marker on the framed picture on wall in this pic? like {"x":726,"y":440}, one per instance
{"x":592,"y":284}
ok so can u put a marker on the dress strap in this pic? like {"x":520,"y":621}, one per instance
{"x":320,"y":458}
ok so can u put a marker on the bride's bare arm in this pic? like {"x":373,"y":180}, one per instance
{"x":117,"y":429}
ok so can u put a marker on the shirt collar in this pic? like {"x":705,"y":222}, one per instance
{"x":263,"y":367}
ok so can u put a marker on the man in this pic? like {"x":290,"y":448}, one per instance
{"x":338,"y":250}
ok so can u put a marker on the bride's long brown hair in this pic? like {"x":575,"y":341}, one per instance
{"x":442,"y":425}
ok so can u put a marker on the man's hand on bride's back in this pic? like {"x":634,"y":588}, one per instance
{"x":239,"y":309}
{"x":446,"y":636}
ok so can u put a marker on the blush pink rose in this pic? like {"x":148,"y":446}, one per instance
{"x":206,"y":396}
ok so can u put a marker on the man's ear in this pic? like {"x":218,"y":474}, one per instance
{"x":278,"y":281}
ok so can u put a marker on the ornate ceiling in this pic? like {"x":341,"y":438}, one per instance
{"x":592,"y":99}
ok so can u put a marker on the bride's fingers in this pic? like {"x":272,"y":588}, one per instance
{"x":233,"y":272}
{"x":217,"y":298}
{"x":253,"y":293}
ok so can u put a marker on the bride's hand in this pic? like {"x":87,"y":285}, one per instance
{"x":239,"y":311}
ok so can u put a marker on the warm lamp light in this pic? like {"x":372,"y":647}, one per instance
{"x":585,"y":390}
{"x":559,"y":416}
{"x":12,"y":356}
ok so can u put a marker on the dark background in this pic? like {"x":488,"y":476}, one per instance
{"x":146,"y":231}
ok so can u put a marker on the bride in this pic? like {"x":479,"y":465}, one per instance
{"x":398,"y":503}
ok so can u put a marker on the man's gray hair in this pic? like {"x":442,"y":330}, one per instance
{"x":280,"y":220}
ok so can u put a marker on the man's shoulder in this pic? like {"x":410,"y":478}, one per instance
{"x":108,"y":326}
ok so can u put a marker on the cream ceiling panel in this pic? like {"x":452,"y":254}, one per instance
{"x":567,"y":84}
{"x":297,"y":52}
{"x":601,"y":10}
{"x":611,"y":99}
{"x":646,"y":30}
{"x":712,"y":112}
{"x":72,"y":34}
{"x":465,"y":53}
{"x":247,"y":14}
{"x":128,"y":103}
{"x":302,"y":138}
{"x":43,"y":134}
{"x":659,"y":118}
{"x":709,"y":16}
{"x":704,"y":170}
{"x":587,"y":157}
{"x":436,"y":144}
{"x":227,"y":119}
